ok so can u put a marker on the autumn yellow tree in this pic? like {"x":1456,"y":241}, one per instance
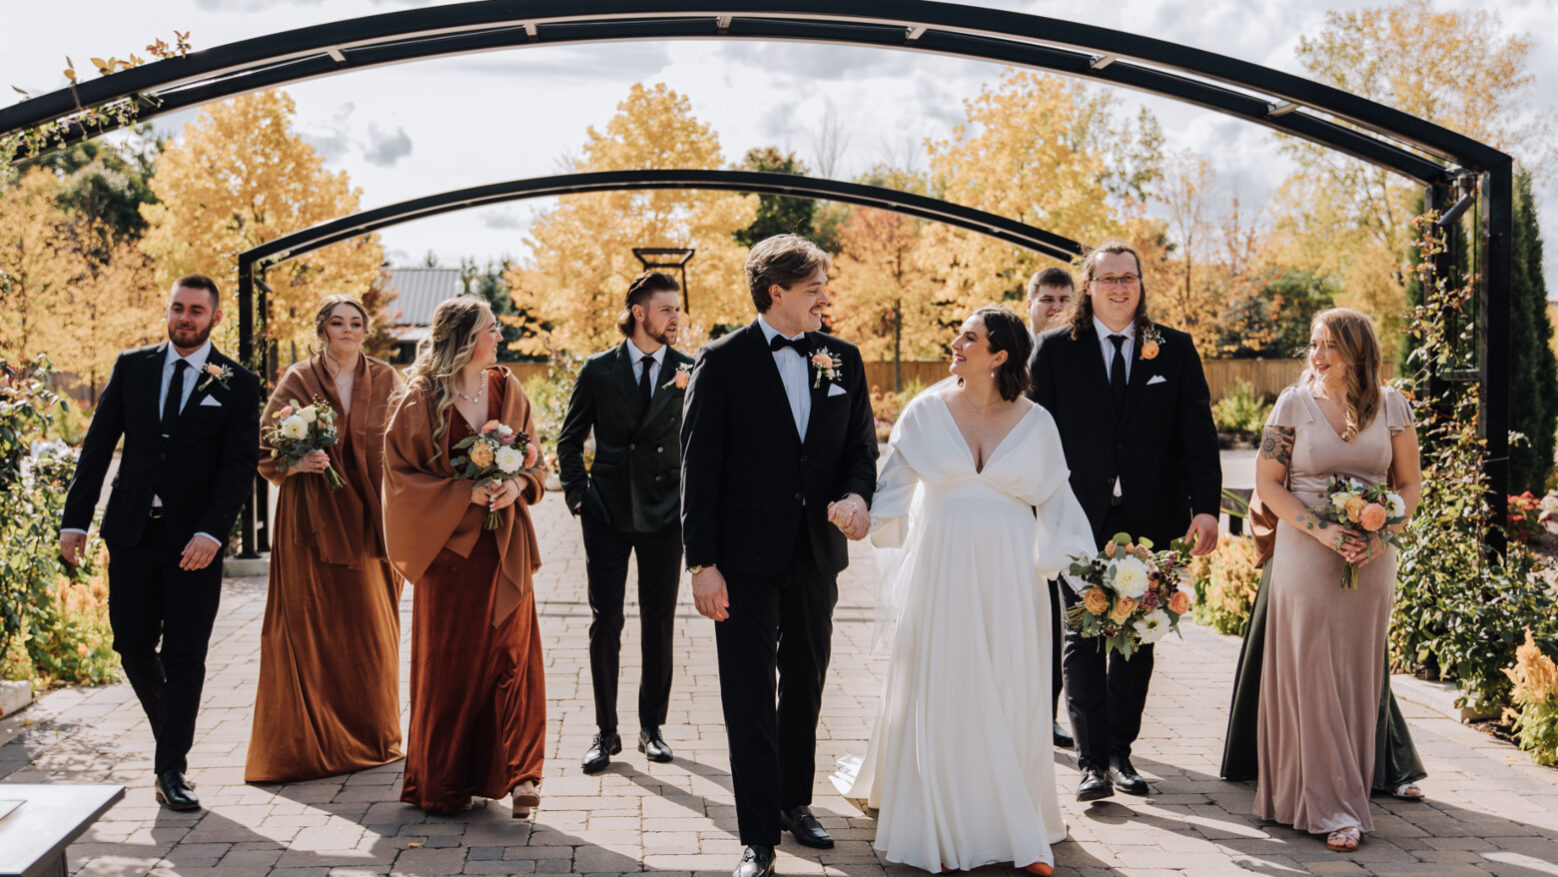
{"x":1351,"y":220}
{"x":884,"y":298}
{"x":240,"y":176}
{"x":34,"y":271}
{"x":582,"y":251}
{"x":1050,"y":152}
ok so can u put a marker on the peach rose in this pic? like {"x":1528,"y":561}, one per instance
{"x":1372,"y":517}
{"x":1109,"y":549}
{"x":1095,"y":601}
{"x":490,"y":426}
{"x":821,"y":360}
{"x":681,"y":380}
{"x":1123,"y":607}
{"x":481,"y":454}
{"x":1149,"y":350}
{"x":531,"y":453}
{"x":285,"y":412}
{"x":1179,"y":604}
{"x":1354,"y":508}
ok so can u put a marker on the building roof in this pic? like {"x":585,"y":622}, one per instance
{"x":420,"y":290}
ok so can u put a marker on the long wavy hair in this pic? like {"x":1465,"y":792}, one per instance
{"x":1082,"y":313}
{"x":457,"y":323}
{"x":1357,"y":346}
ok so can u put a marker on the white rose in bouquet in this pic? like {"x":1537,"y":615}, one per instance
{"x":294,"y":427}
{"x":308,"y":414}
{"x":1131,"y":578}
{"x":509,"y":460}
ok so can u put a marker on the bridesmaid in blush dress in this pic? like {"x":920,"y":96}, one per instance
{"x":1325,"y":645}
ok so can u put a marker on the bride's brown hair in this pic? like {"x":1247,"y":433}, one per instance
{"x":1004,"y":330}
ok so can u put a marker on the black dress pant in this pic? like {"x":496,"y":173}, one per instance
{"x":151,"y":599}
{"x":606,"y":553}
{"x":1105,"y":693}
{"x":781,"y":622}
{"x":1057,"y":637}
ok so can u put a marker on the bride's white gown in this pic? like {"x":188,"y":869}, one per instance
{"x":960,"y":762}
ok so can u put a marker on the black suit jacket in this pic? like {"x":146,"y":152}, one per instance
{"x":749,"y":482}
{"x":1162,"y":445}
{"x":634,"y":483}
{"x":203,"y":471}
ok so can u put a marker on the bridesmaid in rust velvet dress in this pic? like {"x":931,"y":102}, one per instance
{"x":1325,"y":645}
{"x":478,"y":698}
{"x":334,"y":599}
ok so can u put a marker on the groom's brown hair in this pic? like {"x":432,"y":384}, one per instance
{"x":785,"y":259}
{"x":1082,"y":314}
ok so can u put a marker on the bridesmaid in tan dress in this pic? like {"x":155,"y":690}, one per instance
{"x":478,"y":684}
{"x":334,"y":599}
{"x":1325,"y":645}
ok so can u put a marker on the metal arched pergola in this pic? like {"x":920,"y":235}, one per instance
{"x":1431,"y":155}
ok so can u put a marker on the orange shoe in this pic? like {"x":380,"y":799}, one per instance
{"x":1040,"y":869}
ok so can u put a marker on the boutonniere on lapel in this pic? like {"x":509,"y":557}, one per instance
{"x":1150,"y":339}
{"x":213,"y":372}
{"x":827,"y":363}
{"x":680,"y":379}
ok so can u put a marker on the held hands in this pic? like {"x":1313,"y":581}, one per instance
{"x":851,"y":516}
{"x":1202,"y":534}
{"x":709,"y":594}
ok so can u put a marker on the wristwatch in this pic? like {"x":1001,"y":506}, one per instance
{"x":697,"y":568}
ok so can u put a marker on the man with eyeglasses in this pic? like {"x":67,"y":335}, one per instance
{"x":1131,"y":402}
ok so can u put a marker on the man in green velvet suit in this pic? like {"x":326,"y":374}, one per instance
{"x":629,"y":502}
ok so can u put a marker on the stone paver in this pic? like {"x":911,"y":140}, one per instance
{"x":1490,"y":809}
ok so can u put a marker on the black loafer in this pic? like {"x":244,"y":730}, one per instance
{"x":602,"y":748}
{"x":756,"y":861}
{"x":808,"y":832}
{"x":1063,"y":738}
{"x":174,"y":793}
{"x":1125,"y":777}
{"x":1095,"y":784}
{"x":653,"y":745}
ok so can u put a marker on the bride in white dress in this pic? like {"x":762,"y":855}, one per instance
{"x":974,"y":504}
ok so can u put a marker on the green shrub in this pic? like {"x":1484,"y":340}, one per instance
{"x":1226,"y":582}
{"x":549,"y":395}
{"x":1242,"y":412}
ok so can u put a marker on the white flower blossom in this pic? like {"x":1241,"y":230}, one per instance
{"x":1130,"y":577}
{"x":309,"y":414}
{"x":1339,"y":500}
{"x":1398,"y":506}
{"x":1153,"y":626}
{"x":294,"y":427}
{"x":509,"y":460}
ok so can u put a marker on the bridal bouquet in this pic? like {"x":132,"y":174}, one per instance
{"x":494,"y":453}
{"x":298,"y":431}
{"x":1132,"y":596}
{"x":1360,"y":509}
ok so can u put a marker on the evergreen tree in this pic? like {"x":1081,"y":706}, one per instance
{"x":1533,"y":370}
{"x":490,"y":283}
{"x":776,"y":214}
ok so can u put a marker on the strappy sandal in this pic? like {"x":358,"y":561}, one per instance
{"x":1407,"y":792}
{"x":525,"y":802}
{"x":1344,"y":840}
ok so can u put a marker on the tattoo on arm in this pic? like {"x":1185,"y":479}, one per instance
{"x":1276,"y":443}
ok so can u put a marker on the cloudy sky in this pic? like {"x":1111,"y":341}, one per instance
{"x":427,"y":127}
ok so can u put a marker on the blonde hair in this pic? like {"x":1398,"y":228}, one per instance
{"x":457,"y":323}
{"x":1357,"y":344}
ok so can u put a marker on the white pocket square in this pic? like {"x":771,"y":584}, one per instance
{"x":211,"y":401}
{"x":835,"y":390}
{"x":1156,"y":379}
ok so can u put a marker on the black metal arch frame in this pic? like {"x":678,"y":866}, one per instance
{"x":1429,"y":154}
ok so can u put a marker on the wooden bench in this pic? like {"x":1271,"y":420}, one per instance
{"x":37,"y":823}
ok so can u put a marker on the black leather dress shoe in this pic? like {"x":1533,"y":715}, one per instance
{"x":1125,"y":777}
{"x":605,"y":745}
{"x":653,"y":745}
{"x":756,"y":861}
{"x":1095,"y":784}
{"x":174,"y":793}
{"x":800,"y":822}
{"x":1063,"y":738}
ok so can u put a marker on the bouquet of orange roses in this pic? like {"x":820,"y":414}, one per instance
{"x":496,"y":452}
{"x":1132,"y":595}
{"x":300,"y":430}
{"x":1360,"y":509}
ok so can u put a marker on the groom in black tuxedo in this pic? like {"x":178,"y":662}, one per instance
{"x":190,"y":419}
{"x":629,"y":502}
{"x":1135,"y":419}
{"x":778,"y":457}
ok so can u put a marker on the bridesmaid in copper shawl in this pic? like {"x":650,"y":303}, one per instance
{"x":334,"y":598}
{"x":478,"y":697}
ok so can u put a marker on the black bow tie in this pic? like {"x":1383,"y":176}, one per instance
{"x":779,"y":342}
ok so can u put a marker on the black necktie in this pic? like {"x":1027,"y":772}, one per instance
{"x":1117,"y":372}
{"x":171,"y":405}
{"x":644,"y":389}
{"x":779,"y":342}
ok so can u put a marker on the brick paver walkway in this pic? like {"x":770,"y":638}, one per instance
{"x":1490,"y":809}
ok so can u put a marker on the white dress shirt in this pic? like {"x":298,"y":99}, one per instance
{"x":792,"y":373}
{"x":1108,"y":346}
{"x":656,"y":360}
